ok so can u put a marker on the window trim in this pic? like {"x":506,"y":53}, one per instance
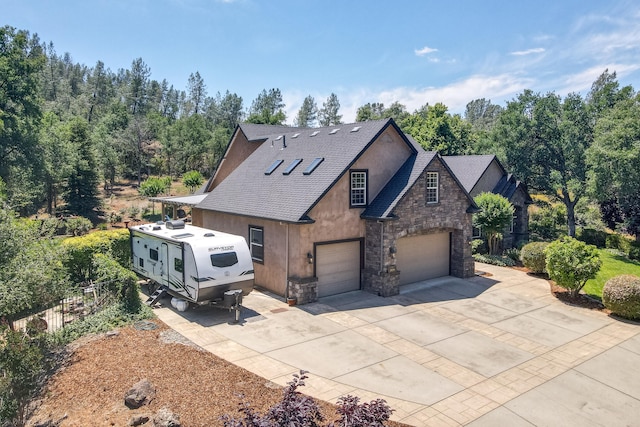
{"x":256,"y":244}
{"x":428,"y":188}
{"x":365,"y":202}
{"x":476,"y":232}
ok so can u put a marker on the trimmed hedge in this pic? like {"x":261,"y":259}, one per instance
{"x":533,"y":257}
{"x":621,"y":295}
{"x":81,"y":250}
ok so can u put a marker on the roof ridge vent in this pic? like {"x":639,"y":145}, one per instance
{"x":356,"y":129}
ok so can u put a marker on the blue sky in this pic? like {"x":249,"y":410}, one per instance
{"x":413,"y":52}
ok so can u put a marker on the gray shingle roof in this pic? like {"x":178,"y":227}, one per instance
{"x":469,"y":169}
{"x":248,"y":191}
{"x":402,"y":181}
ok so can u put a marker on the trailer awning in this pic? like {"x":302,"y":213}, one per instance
{"x":191,"y":200}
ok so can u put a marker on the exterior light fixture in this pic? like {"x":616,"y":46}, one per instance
{"x":310,"y":257}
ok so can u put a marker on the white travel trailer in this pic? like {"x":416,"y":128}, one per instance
{"x":192,"y":263}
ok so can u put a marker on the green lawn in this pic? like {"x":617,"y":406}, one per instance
{"x":612,"y":265}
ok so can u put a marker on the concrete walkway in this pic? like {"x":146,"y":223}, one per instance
{"x":489,"y":351}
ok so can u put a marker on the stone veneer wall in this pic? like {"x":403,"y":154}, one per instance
{"x":416,"y":217}
{"x":304,"y":290}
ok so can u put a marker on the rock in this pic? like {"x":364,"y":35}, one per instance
{"x":166,"y":418}
{"x":138,"y":420}
{"x":141,"y":393}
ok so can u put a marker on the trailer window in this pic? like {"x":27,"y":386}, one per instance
{"x":178,"y":265}
{"x":141,"y":262}
{"x":226,"y":259}
{"x":153,"y":254}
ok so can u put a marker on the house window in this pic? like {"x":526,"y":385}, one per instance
{"x":432,"y":187}
{"x":512,"y":226}
{"x":358,"y":188}
{"x":153,"y":254}
{"x":256,"y":243}
{"x":477,"y":232}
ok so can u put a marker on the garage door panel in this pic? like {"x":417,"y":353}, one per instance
{"x":423,"y":257}
{"x":338,"y":268}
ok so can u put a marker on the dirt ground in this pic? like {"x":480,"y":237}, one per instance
{"x":196,"y":385}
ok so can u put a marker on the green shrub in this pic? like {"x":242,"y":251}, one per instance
{"x":81,"y":250}
{"x":634,"y":251}
{"x":477,"y":246}
{"x":533,"y":257}
{"x":618,"y":241}
{"x":570,"y":263}
{"x":547,"y":221}
{"x":621,"y":295}
{"x":512,"y":253}
{"x":500,"y":261}
{"x":78,"y":226}
{"x":124,"y":282}
{"x":21,"y":367}
{"x":590,"y":236}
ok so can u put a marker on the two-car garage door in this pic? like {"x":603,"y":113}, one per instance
{"x":423,"y":257}
{"x":338,"y":268}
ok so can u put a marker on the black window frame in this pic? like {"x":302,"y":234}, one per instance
{"x":154,"y":255}
{"x":257,"y":255}
{"x":365,"y":190}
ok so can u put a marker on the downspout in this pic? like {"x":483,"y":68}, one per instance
{"x":286,"y":261}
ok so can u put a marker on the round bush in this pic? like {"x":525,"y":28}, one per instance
{"x":621,"y":295}
{"x":533,"y":257}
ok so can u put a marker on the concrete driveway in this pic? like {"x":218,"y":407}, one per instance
{"x":493,"y":350}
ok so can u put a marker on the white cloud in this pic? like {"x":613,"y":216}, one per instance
{"x":424,"y":51}
{"x":528,"y":51}
{"x":581,"y":82}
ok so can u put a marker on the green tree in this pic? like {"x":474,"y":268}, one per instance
{"x":614,"y":160}
{"x":328,"y":114}
{"x":32,"y":275}
{"x":197,"y":93}
{"x":570,"y":263}
{"x":21,"y":61}
{"x":377,"y":111}
{"x":436,"y":130}
{"x":192,"y":180}
{"x":482,"y":114}
{"x":267,"y":108}
{"x":496,"y":213}
{"x":544,"y":141}
{"x":307,"y":114}
{"x":81,"y":192}
{"x":153,"y":187}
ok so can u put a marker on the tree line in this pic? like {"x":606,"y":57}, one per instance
{"x":67,"y":128}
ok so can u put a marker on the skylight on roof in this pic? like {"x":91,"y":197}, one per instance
{"x":295,"y":135}
{"x":273,"y":167}
{"x":314,"y":164}
{"x":291,"y":166}
{"x":356,"y":129}
{"x":314,"y":133}
{"x":334,"y":131}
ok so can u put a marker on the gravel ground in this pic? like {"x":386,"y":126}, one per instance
{"x":195,"y":384}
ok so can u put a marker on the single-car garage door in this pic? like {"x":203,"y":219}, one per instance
{"x":423,"y":257}
{"x":338,"y":268}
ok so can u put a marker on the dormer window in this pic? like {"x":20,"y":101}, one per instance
{"x":358,"y":194}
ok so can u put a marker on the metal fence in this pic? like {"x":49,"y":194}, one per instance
{"x":86,"y":300}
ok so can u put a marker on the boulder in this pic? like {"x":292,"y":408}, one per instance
{"x":141,"y":393}
{"x":166,"y":418}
